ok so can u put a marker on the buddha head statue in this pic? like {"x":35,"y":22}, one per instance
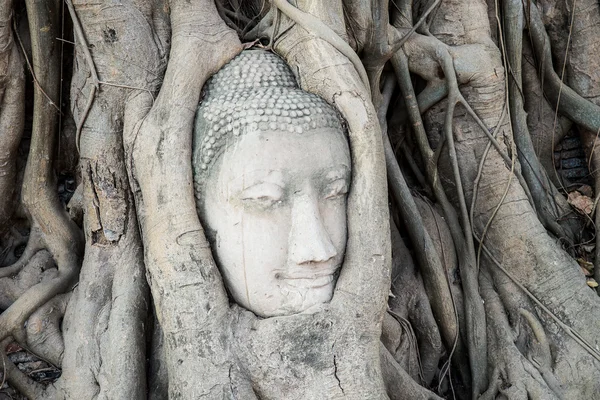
{"x":271,"y":177}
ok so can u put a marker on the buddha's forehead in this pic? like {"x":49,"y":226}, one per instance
{"x":255,"y":92}
{"x":282,"y":156}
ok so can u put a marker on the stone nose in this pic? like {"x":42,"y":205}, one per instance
{"x":309,"y":241}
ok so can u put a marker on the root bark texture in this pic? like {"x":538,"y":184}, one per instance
{"x":465,"y":293}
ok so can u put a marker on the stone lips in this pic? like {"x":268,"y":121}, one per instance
{"x":256,"y":91}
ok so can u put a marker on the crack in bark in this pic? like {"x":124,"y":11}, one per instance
{"x":335,"y":369}
{"x":97,"y":234}
{"x":231,"y":382}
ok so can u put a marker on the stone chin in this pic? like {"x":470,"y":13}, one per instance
{"x":302,"y":298}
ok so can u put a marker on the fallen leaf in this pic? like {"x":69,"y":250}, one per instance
{"x":585,"y":264}
{"x":592,"y":283}
{"x":582,"y":204}
{"x":13,"y":348}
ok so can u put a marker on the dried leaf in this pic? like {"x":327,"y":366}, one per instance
{"x":592,"y":283}
{"x":585,"y":264}
{"x":582,"y":204}
{"x":13,"y":348}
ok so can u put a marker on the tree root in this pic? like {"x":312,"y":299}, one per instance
{"x":33,"y":272}
{"x":12,"y":113}
{"x":579,"y":68}
{"x":411,"y":308}
{"x":316,"y":27}
{"x":431,"y":265}
{"x":568,"y":330}
{"x":44,"y":334}
{"x":58,"y":233}
{"x":473,"y":309}
{"x":515,"y":376}
{"x":566,"y":100}
{"x":542,"y":189}
{"x":432,"y":268}
{"x":400,"y":386}
{"x":177,"y":257}
{"x":545,"y":132}
{"x":34,"y":244}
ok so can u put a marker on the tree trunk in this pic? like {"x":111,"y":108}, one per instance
{"x":459,"y":279}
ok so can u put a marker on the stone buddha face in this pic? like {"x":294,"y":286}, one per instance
{"x":273,"y":202}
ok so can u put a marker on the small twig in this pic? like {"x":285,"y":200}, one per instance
{"x":30,"y":67}
{"x":83,"y":42}
{"x":480,"y":174}
{"x":65,"y":40}
{"x":119,"y":85}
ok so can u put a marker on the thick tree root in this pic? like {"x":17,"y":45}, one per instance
{"x":58,"y":233}
{"x":542,"y":189}
{"x":44,"y":334}
{"x":400,"y":385}
{"x":410,"y":307}
{"x":34,"y":244}
{"x":12,"y":113}
{"x":34,"y":271}
{"x":473,"y":310}
{"x":518,"y":375}
{"x":177,"y":258}
{"x":566,"y":100}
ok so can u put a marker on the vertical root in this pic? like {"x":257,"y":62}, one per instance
{"x":59,"y":234}
{"x":539,"y":184}
{"x":12,"y":113}
{"x":474,"y":313}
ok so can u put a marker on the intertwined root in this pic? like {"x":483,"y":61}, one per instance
{"x":471,"y":166}
{"x":50,"y":223}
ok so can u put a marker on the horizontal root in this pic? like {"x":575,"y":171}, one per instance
{"x":37,"y":269}
{"x":44,"y":335}
{"x":34,"y":244}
